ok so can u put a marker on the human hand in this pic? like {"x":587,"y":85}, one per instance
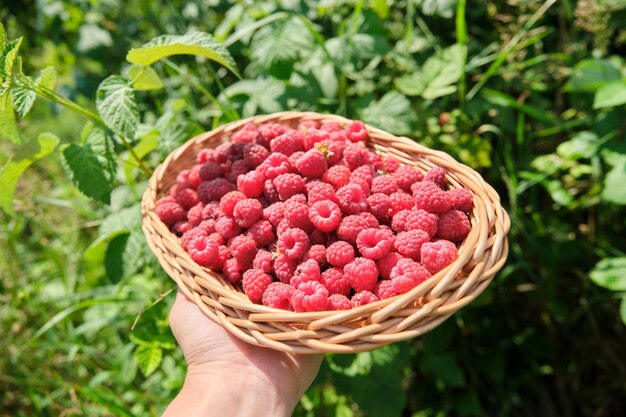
{"x":229,"y":377}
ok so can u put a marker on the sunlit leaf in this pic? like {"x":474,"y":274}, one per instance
{"x":610,"y":273}
{"x":115,"y":100}
{"x":47,"y":78}
{"x":23,"y":100}
{"x":149,"y":357}
{"x":591,"y":74}
{"x":8,"y":57}
{"x":87,"y":172}
{"x":392,"y":113}
{"x":144,"y":78}
{"x":610,"y":95}
{"x":8,"y":123}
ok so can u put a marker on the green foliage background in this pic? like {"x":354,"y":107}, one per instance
{"x":530,"y":93}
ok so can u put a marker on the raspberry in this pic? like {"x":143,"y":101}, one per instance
{"x":385,"y":184}
{"x":355,"y":155}
{"x":223,"y":254}
{"x":373,"y":243}
{"x":406,"y":176}
{"x":203,"y":251}
{"x":386,"y":264}
{"x":274,"y":213}
{"x":228,"y":201}
{"x":165,"y":200}
{"x":269,"y":192}
{"x":380,"y":206}
{"x":269,"y":131}
{"x":325,"y":215}
{"x":398,"y":222}
{"x":400,"y":201}
{"x":335,"y":282}
{"x":453,"y":225}
{"x":313,"y":136}
{"x":227,"y":227}
{"x":245,"y":136}
{"x":293,"y":243}
{"x":288,"y":143}
{"x":278,"y":295}
{"x":461,"y":199}
{"x":205,"y":155}
{"x":214,"y":190}
{"x":194,"y":178}
{"x":207,"y":225}
{"x":365,"y":173}
{"x":312,"y":164}
{"x":190,"y":235}
{"x":384,"y":289}
{"x":390,"y":164}
{"x":187,"y":198}
{"x":351,"y":226}
{"x":221,"y":152}
{"x":321,"y":191}
{"x":232,"y":270}
{"x":247,"y":212}
{"x":340,"y":253}
{"x":170,"y":212}
{"x":288,"y":185}
{"x":243,"y":249}
{"x":296,"y":198}
{"x":330,"y":127}
{"x":210,"y":170}
{"x":297,"y":215}
{"x":362,"y":274}
{"x":274,"y":165}
{"x":317,"y":237}
{"x":337,"y":176}
{"x":305,"y":272}
{"x":310,"y":296}
{"x":251,"y":184}
{"x":406,"y":275}
{"x":263,"y":261}
{"x":338,"y":302}
{"x":262,"y":232}
{"x":316,"y":252}
{"x":180,"y":227}
{"x":237,"y":169}
{"x":234,"y":151}
{"x":438,"y":176}
{"x":254,"y":284}
{"x":437,"y":255}
{"x":408,"y":244}
{"x":363,"y":297}
{"x":352,"y":199}
{"x":422,"y":220}
{"x":212,"y":210}
{"x":333,"y":148}
{"x":428,"y":196}
{"x":194,"y":215}
{"x":284,"y":268}
{"x":356,"y":131}
{"x":217,"y":238}
{"x":254,"y":155}
{"x":282,"y":226}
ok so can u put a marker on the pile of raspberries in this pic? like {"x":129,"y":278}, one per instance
{"x":306,"y":218}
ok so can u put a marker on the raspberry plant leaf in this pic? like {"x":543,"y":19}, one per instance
{"x":34,"y":150}
{"x":115,"y":100}
{"x":392,"y":113}
{"x":591,"y":74}
{"x":614,"y":190}
{"x":47,"y":78}
{"x":610,"y":95}
{"x":610,"y":273}
{"x":266,"y":94}
{"x":8,"y":58}
{"x":144,"y":78}
{"x":87,"y":172}
{"x":8,"y":123}
{"x":149,"y":356}
{"x":23,"y":100}
{"x":191,"y":43}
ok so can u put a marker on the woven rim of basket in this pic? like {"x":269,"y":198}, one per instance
{"x":481,"y":255}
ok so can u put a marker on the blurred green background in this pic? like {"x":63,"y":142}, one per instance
{"x":530,"y":93}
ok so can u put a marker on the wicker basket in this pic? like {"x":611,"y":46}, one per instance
{"x":481,"y":255}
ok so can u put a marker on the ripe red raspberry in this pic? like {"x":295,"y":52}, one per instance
{"x":365,"y":173}
{"x":223,"y":254}
{"x":435,"y":256}
{"x":356,"y":131}
{"x":321,"y":191}
{"x":386,"y":264}
{"x":438,"y":176}
{"x":237,"y":169}
{"x":374,"y":243}
{"x":274,"y":165}
{"x":385,"y":184}
{"x":285,"y":268}
{"x":384,"y":289}
{"x":316,"y":252}
{"x":351,"y":226}
{"x":274,"y":213}
{"x":293,"y":158}
{"x":453,"y":225}
{"x":247,"y":212}
{"x":205,"y":155}
{"x":338,"y":302}
{"x":270,"y":193}
{"x":288,"y":185}
{"x":227,"y":227}
{"x":312,"y":164}
{"x":398,"y":222}
{"x":233,"y":270}
{"x":194,"y":178}
{"x":190,"y":235}
{"x":164,"y":200}
{"x":330,"y":127}
{"x":234,"y":151}
{"x":325,"y":215}
{"x":251,"y":184}
{"x":461,"y":199}
{"x":406,"y":176}
{"x":228,"y":201}
{"x":390,"y":164}
{"x":428,"y":196}
{"x":245,"y":136}
{"x":254,"y":284}
{"x":363,"y":297}
{"x":400,"y":201}
{"x":297,"y":215}
{"x":305,"y":272}
{"x":210,"y":170}
{"x":293,"y":243}
{"x":296,"y":198}
{"x":362,"y":274}
{"x":254,"y":155}
{"x":380,"y":206}
{"x":282,"y":226}
{"x":212,"y":211}
{"x":289,"y":142}
{"x":335,"y":282}
{"x":269,"y":131}
{"x":278,"y":295}
{"x":352,"y":199}
{"x":217,"y":238}
{"x":313,"y":136}
{"x":170,"y":212}
{"x":406,"y":275}
{"x":422,"y":220}
{"x":340,"y":253}
{"x":310,"y":296}
{"x":180,"y":227}
{"x":408,"y":244}
{"x":214,"y":190}
{"x":203,"y":251}
{"x":355,"y":155}
{"x":194,"y":215}
{"x":333,"y":148}
{"x":262,"y":232}
{"x":375,"y":161}
{"x":263,"y":261}
{"x":337,"y":176}
{"x":243,"y":249}
{"x":207,"y":225}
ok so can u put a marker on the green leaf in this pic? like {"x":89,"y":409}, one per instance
{"x":591,"y":74}
{"x":583,"y":145}
{"x":610,"y":95}
{"x":23,"y":100}
{"x":191,"y":43}
{"x":392,"y":113}
{"x":102,"y":146}
{"x":47,"y":78}
{"x":366,"y":46}
{"x":8,"y":124}
{"x":263,"y":94}
{"x":622,"y":310}
{"x":614,"y":190}
{"x":87,"y":172}
{"x":114,"y":257}
{"x":116,"y":104}
{"x":610,"y":273}
{"x":23,"y":158}
{"x":149,"y":357}
{"x":3,"y":37}
{"x":8,"y":57}
{"x":144,"y":78}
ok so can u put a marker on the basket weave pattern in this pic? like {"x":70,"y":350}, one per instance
{"x":481,"y":255}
